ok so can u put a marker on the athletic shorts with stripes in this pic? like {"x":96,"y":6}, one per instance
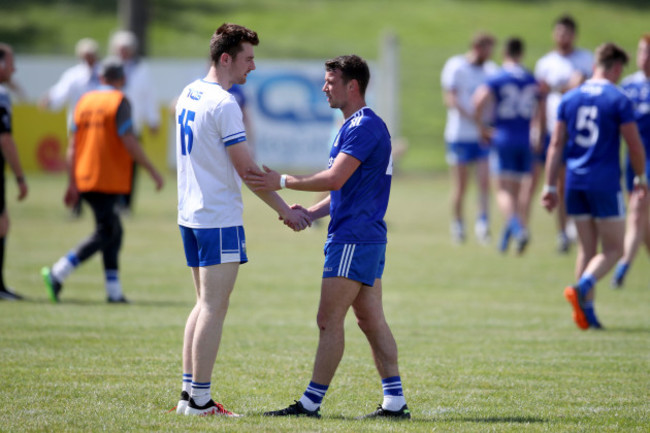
{"x":357,"y":262}
{"x":207,"y":247}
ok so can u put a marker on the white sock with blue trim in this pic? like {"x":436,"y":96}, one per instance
{"x":393,"y":394}
{"x":200,"y":393}
{"x":187,"y":383}
{"x":113,"y":284}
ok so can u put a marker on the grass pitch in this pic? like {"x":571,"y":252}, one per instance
{"x":486,"y":341}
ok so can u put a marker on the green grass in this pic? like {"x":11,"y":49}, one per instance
{"x":429,"y":31}
{"x":486,"y":341}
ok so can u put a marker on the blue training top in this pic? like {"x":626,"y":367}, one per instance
{"x":594,"y":113}
{"x":516,"y":93}
{"x":357,"y":210}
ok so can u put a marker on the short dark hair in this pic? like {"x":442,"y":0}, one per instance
{"x":111,"y":69}
{"x":352,"y":67}
{"x":514,"y":47}
{"x":483,"y":39}
{"x":609,"y":54}
{"x":567,"y":20}
{"x":228,"y":39}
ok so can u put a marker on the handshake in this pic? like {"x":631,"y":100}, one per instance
{"x":297,"y":218}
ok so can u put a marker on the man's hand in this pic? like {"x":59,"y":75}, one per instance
{"x":22,"y":189}
{"x":269,"y":180}
{"x":71,"y":195}
{"x":297,"y":219}
{"x":549,"y":200}
{"x":157,"y":178}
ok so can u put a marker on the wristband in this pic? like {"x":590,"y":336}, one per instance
{"x":640,"y":179}
{"x":549,"y":188}
{"x":283,"y":181}
{"x":20,"y":179}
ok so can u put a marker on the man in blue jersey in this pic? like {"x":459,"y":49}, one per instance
{"x":637,"y":88}
{"x":359,"y":178}
{"x":591,"y":120}
{"x":560,"y":70}
{"x":514,"y":93}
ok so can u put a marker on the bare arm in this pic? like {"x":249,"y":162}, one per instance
{"x":558,"y":140}
{"x":450,"y":99}
{"x":331,"y":179}
{"x":630,"y":133}
{"x":10,"y":153}
{"x":482,"y":97}
{"x":241,"y":158}
{"x":132,"y":145}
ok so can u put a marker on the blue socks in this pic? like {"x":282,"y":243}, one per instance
{"x":313,"y":396}
{"x":393,"y":393}
{"x":586,"y":283}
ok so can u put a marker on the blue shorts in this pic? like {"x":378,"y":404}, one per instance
{"x":515,"y":161}
{"x":358,"y":262}
{"x":594,"y":204}
{"x":460,"y":153}
{"x":207,"y":247}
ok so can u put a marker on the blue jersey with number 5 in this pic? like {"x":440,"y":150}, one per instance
{"x":516,"y":92}
{"x":357,"y":209}
{"x":593,"y":114}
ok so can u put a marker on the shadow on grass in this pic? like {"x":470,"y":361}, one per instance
{"x":97,"y":302}
{"x":478,"y":420}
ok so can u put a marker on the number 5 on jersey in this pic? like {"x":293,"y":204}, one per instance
{"x":186,"y":134}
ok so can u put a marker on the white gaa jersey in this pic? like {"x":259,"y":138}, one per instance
{"x":556,"y":70}
{"x":208,"y":119}
{"x":464,"y":78}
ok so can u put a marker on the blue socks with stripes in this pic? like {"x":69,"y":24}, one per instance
{"x":393,"y":394}
{"x":313,"y":396}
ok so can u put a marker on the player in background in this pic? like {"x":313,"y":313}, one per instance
{"x":75,"y":81}
{"x":590,"y":121}
{"x":461,"y":76}
{"x":637,"y":88}
{"x":72,"y":84}
{"x":212,"y":156}
{"x":140,"y":91}
{"x":514,"y":93}
{"x":559,"y":71}
{"x":8,"y":153}
{"x":359,"y":176}
{"x":100,"y":154}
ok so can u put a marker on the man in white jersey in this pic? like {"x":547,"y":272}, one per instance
{"x":559,"y":71}
{"x":212,"y":154}
{"x":461,"y":76}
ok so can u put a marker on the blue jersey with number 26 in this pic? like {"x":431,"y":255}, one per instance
{"x":515,"y":91}
{"x":357,"y":209}
{"x":594,"y":113}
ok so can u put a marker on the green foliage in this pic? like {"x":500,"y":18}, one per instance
{"x":486,"y":341}
{"x":429,"y":32}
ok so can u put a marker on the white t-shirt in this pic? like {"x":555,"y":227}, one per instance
{"x":556,"y":70}
{"x":74,"y":82}
{"x":208,"y":119}
{"x":464,"y":78}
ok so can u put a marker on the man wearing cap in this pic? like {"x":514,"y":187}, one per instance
{"x":102,"y":149}
{"x":75,"y":81}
